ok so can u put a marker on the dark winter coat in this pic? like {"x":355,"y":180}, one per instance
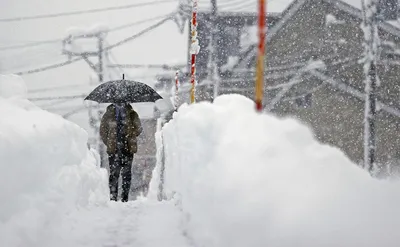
{"x":108,"y":129}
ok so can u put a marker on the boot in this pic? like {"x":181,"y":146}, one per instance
{"x":125,"y":197}
{"x":113,"y":193}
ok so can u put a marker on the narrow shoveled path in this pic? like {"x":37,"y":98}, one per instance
{"x":141,"y":223}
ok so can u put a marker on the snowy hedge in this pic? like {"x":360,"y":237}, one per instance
{"x":249,"y":179}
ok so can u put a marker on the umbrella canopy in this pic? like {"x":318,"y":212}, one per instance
{"x":123,"y":91}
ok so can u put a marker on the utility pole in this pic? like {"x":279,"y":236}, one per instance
{"x":95,"y":112}
{"x":371,"y":45}
{"x":100,"y":48}
{"x":370,"y":115}
{"x":212,"y":64}
{"x":100,"y":72}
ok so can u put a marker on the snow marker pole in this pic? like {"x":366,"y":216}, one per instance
{"x":194,"y":49}
{"x":176,"y":89}
{"x":260,"y":57}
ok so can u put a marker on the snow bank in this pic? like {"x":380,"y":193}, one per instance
{"x":46,"y":169}
{"x":246,"y":179}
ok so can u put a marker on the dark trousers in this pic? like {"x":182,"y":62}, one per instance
{"x":120,"y":164}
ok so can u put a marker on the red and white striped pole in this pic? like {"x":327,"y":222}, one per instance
{"x":176,"y":89}
{"x":194,"y":50}
{"x":259,"y":92}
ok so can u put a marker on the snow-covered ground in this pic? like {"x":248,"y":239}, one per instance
{"x":233,"y":178}
{"x":249,"y":179}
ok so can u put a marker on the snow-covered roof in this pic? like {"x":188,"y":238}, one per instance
{"x":273,"y":6}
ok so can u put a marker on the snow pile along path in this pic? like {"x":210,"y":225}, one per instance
{"x":46,"y":169}
{"x":246,"y":179}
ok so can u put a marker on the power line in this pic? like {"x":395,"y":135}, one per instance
{"x":206,"y":6}
{"x":31,"y":44}
{"x":73,"y":112}
{"x":58,"y":97}
{"x":105,"y":49}
{"x":51,"y":41}
{"x":89,"y":11}
{"x":229,"y":3}
{"x":137,"y":23}
{"x":52,"y":104}
{"x":117,"y":28}
{"x":54,"y":66}
{"x":57,"y":88}
{"x":41,"y":57}
{"x":64,"y":108}
{"x":140,"y":33}
{"x":28,"y":54}
{"x":147,"y":66}
{"x":239,"y":7}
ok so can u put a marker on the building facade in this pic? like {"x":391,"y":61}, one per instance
{"x":314,"y":72}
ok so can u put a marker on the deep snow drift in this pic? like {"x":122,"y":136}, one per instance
{"x":46,"y":169}
{"x":246,"y":179}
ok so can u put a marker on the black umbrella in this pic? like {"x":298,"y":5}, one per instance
{"x":123,"y":91}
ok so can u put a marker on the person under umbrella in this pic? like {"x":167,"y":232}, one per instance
{"x":119,"y":128}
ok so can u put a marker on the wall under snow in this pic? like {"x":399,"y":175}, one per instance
{"x":246,"y":179}
{"x":46,"y":168}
